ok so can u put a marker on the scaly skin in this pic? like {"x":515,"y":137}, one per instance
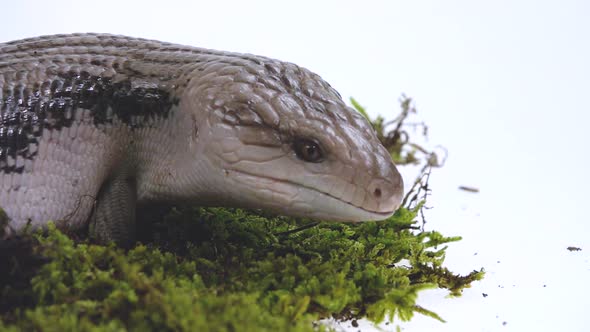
{"x":95,"y":121}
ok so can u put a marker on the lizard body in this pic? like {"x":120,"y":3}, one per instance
{"x":93,"y":124}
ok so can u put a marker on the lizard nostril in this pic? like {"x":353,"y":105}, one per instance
{"x":377,"y":193}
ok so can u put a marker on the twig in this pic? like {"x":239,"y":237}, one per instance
{"x":298,"y":229}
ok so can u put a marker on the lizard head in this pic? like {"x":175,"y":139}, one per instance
{"x":271,"y":135}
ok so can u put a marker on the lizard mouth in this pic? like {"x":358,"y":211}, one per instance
{"x":341,"y":210}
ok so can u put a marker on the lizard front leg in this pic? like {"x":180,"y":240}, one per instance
{"x":114,"y":215}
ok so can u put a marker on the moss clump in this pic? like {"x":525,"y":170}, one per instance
{"x":229,"y":270}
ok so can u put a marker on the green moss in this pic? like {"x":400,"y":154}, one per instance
{"x":230,"y":269}
{"x":213,"y":269}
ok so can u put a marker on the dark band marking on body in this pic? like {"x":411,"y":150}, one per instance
{"x":25,"y":111}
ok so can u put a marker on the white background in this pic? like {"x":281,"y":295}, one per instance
{"x":504,"y":85}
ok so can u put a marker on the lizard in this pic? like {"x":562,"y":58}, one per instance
{"x":93,"y":125}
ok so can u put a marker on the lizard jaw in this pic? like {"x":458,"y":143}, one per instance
{"x":295,"y":199}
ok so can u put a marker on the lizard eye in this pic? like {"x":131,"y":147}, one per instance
{"x":308,"y":150}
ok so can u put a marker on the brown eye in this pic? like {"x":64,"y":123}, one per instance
{"x":308,"y":150}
